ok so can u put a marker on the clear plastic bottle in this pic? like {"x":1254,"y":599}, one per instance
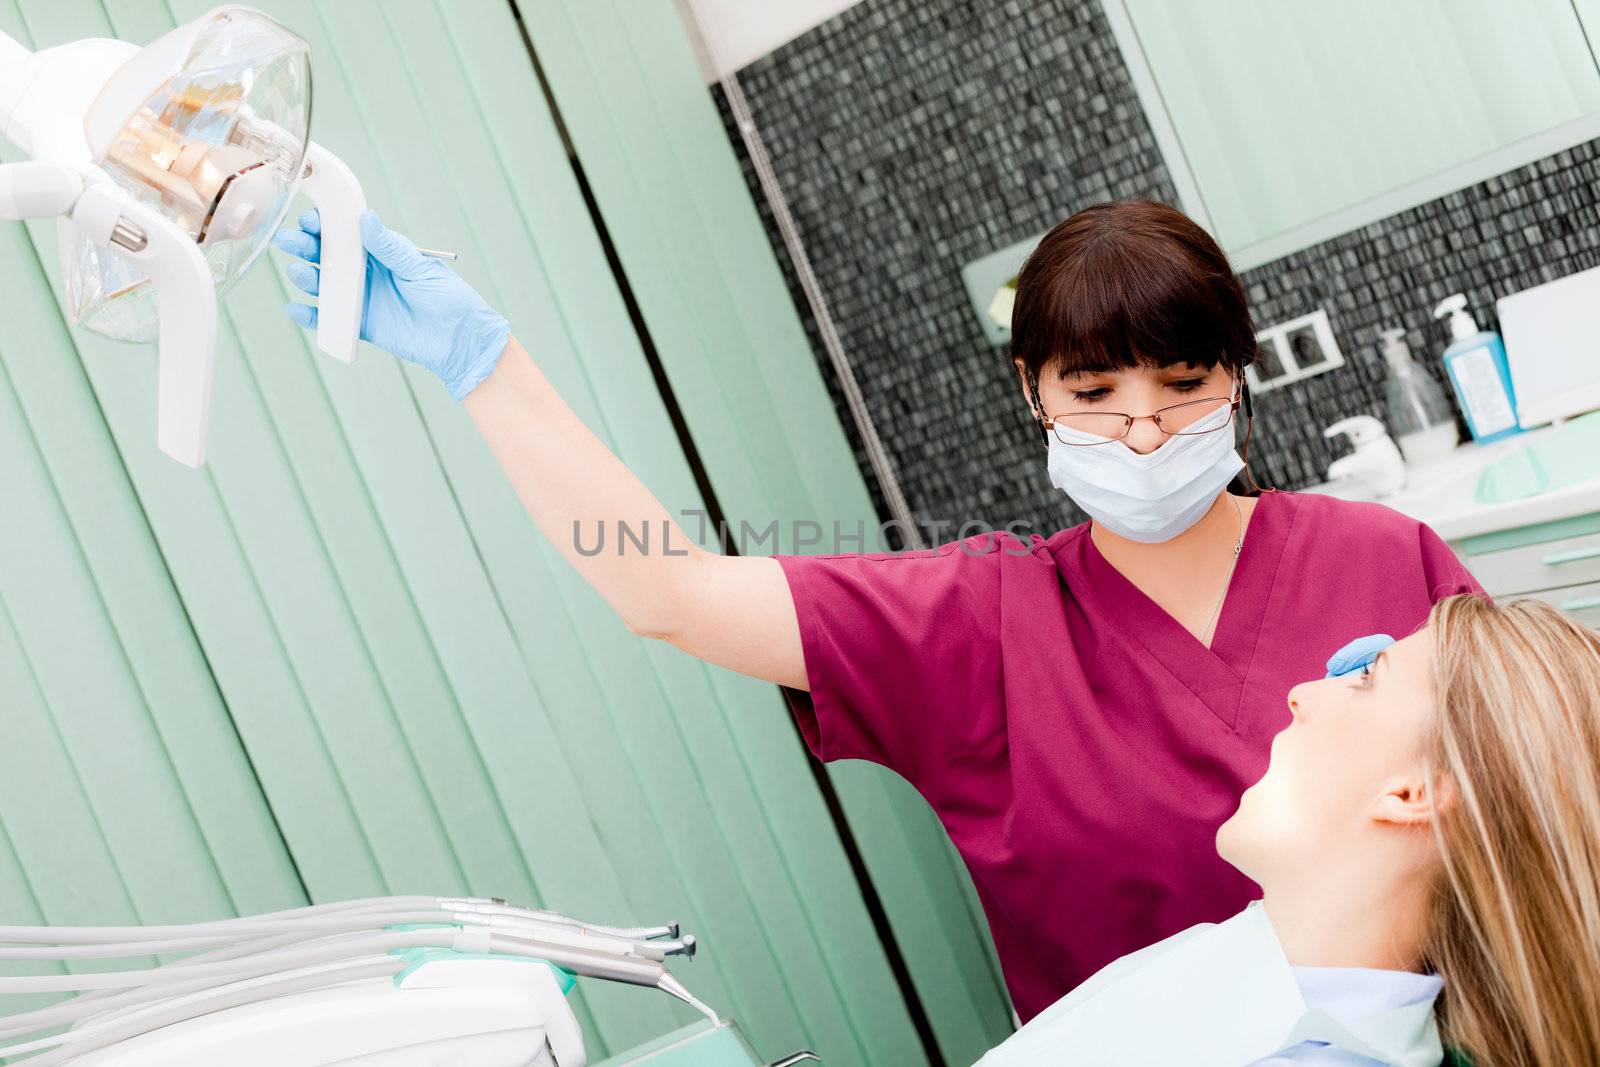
{"x":1420,"y":417}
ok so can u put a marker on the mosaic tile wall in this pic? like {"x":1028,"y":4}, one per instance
{"x":1523,"y":228}
{"x":914,"y":136}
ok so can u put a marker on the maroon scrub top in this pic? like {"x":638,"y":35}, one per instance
{"x":1080,"y":746}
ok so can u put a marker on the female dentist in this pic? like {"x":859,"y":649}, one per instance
{"x":1081,"y":710}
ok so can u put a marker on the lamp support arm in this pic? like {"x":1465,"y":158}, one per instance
{"x":36,"y":190}
{"x":12,"y":50}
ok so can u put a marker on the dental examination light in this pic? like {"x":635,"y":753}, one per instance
{"x":385,"y":982}
{"x":170,"y":168}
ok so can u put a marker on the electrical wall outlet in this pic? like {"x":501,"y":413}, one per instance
{"x":1293,"y":350}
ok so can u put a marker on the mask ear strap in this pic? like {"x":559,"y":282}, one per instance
{"x":1038,"y":408}
{"x":1249,"y":429}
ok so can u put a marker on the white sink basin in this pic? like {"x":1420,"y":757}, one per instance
{"x":1443,"y":493}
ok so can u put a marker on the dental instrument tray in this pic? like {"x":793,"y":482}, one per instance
{"x":406,"y":981}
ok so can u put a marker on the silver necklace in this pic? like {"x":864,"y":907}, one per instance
{"x":1238,"y":546}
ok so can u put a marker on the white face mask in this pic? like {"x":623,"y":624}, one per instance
{"x":1152,"y":497}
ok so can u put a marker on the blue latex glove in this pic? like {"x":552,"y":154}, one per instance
{"x":416,"y":307}
{"x":1357,"y":654}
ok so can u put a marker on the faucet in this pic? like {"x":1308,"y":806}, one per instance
{"x":1376,"y":460}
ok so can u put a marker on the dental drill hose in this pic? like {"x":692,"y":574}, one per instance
{"x":101,"y":1001}
{"x":585,"y":961}
{"x":249,"y":967}
{"x":69,"y":1050}
{"x":100,"y":935}
{"x":262,"y":952}
{"x":207,"y":997}
{"x":496,"y":906}
{"x":432,"y":910}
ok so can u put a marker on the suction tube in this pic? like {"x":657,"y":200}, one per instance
{"x":669,"y":984}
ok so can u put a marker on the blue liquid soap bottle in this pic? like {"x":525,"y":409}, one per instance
{"x":1476,"y":364}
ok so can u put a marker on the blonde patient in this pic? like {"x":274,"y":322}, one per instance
{"x":1427,"y":832}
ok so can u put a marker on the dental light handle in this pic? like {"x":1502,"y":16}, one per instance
{"x":186,"y":300}
{"x":186,"y":295}
{"x":336,"y":191}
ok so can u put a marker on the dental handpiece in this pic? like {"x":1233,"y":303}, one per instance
{"x":496,"y":906}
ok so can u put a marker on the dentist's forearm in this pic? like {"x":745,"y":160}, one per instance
{"x":575,"y":488}
{"x":733,"y":611}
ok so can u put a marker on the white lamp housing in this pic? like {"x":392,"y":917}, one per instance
{"x":170,"y":167}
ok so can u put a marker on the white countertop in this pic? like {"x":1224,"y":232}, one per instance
{"x":1443,"y":493}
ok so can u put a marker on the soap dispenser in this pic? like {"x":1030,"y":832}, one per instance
{"x":1420,"y":417}
{"x":1476,"y":364}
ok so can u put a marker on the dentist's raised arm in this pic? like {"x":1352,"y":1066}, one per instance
{"x":736,"y":612}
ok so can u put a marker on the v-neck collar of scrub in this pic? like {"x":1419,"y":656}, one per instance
{"x":1215,"y":673}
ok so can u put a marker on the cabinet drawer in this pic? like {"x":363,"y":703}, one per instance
{"x":1529,"y":568}
{"x":1582,"y":602}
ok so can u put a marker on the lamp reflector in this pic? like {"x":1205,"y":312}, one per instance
{"x":208,"y":126}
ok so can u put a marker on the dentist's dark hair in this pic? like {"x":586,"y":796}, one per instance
{"x":1129,"y":283}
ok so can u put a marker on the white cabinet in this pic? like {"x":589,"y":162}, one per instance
{"x":1582,"y":602}
{"x":1565,"y":572}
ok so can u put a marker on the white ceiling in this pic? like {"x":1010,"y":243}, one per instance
{"x":737,"y":32}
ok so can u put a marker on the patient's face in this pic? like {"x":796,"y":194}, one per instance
{"x":1352,"y":739}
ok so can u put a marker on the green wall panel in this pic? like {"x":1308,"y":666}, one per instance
{"x":340,"y":660}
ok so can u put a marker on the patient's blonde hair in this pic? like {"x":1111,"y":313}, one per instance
{"x":1515,"y":928}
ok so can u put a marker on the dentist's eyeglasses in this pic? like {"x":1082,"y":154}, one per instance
{"x":1174,"y":420}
